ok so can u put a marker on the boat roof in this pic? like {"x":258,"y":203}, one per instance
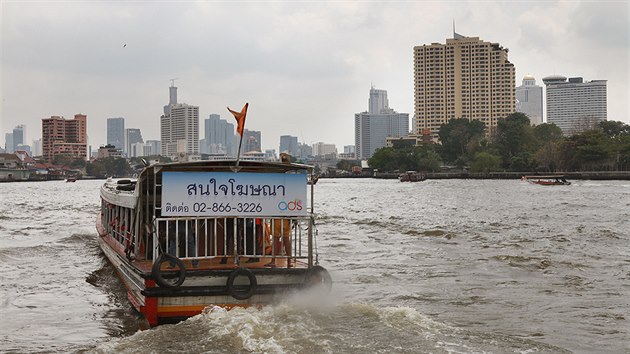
{"x":551,"y":176}
{"x":229,"y":166}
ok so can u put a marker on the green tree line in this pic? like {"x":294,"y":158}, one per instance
{"x":514,"y":145}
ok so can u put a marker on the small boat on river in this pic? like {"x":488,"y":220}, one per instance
{"x":553,"y":180}
{"x":187,"y":235}
{"x":411,"y":176}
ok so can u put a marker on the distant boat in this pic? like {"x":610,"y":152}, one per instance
{"x":553,"y":180}
{"x":71,"y":179}
{"x":411,"y":176}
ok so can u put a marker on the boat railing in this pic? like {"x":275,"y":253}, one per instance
{"x":194,"y":238}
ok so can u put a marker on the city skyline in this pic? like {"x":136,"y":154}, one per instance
{"x":303,"y":68}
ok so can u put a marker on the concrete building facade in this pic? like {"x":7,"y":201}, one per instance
{"x":179,"y":127}
{"x":575,"y":105}
{"x":64,"y":136}
{"x":529,"y":100}
{"x":464,"y":78}
{"x":323,"y":149}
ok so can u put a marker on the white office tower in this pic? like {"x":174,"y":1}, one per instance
{"x":574,"y":105}
{"x":179,"y":127}
{"x":372,"y":128}
{"x":529,"y":100}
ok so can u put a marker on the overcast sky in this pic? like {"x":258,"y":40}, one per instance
{"x":304,"y":67}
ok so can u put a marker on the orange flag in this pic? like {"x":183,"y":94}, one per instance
{"x":240,"y":118}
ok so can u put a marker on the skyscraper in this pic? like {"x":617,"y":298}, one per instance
{"x":179,"y":127}
{"x":19,"y":136}
{"x":575,"y":105}
{"x":372,"y":128}
{"x":289,"y":144}
{"x":116,"y":132}
{"x":218,"y":136}
{"x":132,"y":136}
{"x":8,"y":143}
{"x":529,"y":100}
{"x":64,"y":136}
{"x":464,"y":78}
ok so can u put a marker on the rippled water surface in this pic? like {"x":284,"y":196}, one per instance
{"x":441,"y":266}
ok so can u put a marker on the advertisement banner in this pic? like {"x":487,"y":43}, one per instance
{"x":233,"y":194}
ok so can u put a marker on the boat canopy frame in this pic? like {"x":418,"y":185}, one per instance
{"x":148,"y":210}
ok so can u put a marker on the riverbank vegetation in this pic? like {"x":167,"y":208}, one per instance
{"x":514,"y":145}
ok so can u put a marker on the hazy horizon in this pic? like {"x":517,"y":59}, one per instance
{"x":305,"y":68}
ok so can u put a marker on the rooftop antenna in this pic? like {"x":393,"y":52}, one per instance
{"x":455,"y":34}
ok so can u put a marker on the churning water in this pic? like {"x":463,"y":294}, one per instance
{"x":441,"y":266}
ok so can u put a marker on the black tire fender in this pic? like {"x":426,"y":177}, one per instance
{"x":237,"y":293}
{"x":156,"y":271}
{"x":318,"y":276}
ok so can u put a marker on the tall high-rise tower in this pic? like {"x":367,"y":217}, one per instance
{"x":575,"y":105}
{"x":132,"y":136}
{"x":372,"y":128}
{"x":116,"y":132}
{"x":464,"y":78}
{"x":378,"y":101}
{"x":179,"y":127}
{"x":218,"y":136}
{"x":19,"y":136}
{"x":289,"y":144}
{"x":529,"y":100}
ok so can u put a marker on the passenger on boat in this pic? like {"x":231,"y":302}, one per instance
{"x":182,"y":234}
{"x":281,"y":229}
{"x":247,"y":231}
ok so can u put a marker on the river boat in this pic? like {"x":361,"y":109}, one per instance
{"x":188,"y":235}
{"x":411,"y":176}
{"x":553,"y":180}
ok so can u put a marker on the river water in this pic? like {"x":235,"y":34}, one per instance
{"x":440,"y":266}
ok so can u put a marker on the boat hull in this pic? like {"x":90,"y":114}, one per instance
{"x":200,"y":289}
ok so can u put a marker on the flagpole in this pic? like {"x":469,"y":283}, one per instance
{"x":240,"y":120}
{"x":238,"y":154}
